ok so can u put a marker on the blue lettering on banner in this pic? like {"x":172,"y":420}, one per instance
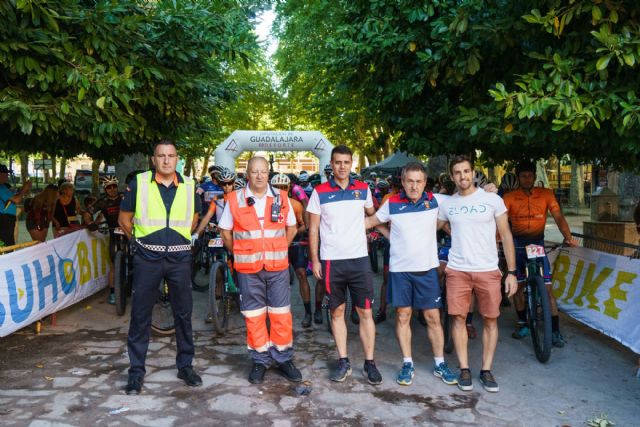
{"x":44,"y":281}
{"x":18,"y":314}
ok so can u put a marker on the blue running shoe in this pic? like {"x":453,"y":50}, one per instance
{"x":443,"y":372}
{"x":522,"y":331}
{"x":405,"y":376}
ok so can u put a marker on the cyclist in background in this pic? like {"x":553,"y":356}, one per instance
{"x":209,"y":190}
{"x":297,"y":252}
{"x":227,"y":181}
{"x":107,"y":208}
{"x":303,"y":179}
{"x":328,"y":171}
{"x":297,"y":192}
{"x":528,"y":207}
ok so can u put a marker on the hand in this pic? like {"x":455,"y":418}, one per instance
{"x":194,"y":238}
{"x":490,"y":188}
{"x":317,"y":269}
{"x":510,"y":285}
{"x":572,"y":242}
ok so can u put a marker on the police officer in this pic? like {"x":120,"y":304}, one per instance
{"x":160,"y":210}
{"x":257,"y":225}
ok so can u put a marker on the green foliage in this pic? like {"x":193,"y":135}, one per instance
{"x":108,"y":78}
{"x":510,"y":79}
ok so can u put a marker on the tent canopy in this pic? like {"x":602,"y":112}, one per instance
{"x":392,"y":163}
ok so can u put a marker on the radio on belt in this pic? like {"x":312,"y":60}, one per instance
{"x":275,"y":209}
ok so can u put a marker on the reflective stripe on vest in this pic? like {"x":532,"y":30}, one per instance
{"x":151,"y":213}
{"x":257,"y":247}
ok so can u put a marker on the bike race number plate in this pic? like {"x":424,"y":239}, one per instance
{"x":118,"y":230}
{"x":535,"y":251}
{"x":215,"y":243}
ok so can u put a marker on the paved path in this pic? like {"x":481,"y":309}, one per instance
{"x":74,"y":373}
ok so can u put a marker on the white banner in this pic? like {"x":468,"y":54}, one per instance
{"x":45,"y":278}
{"x":601,"y":290}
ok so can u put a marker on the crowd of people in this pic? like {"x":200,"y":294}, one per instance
{"x":456,"y":226}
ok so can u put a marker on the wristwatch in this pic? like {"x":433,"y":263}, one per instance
{"x":512,"y":272}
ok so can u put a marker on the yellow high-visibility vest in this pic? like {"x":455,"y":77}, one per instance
{"x":151,"y":215}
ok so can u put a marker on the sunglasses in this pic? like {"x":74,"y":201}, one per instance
{"x":224,"y":184}
{"x":109,"y":187}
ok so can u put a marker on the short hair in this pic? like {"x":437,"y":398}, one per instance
{"x":414,"y":167}
{"x":164,"y":142}
{"x":66,"y":185}
{"x":525,"y":166}
{"x":255,"y":159}
{"x":460,"y":158}
{"x":341,"y":149}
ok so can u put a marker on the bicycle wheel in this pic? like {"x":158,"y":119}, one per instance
{"x":539,"y":312}
{"x":162,"y":321}
{"x":373,"y":256}
{"x":196,"y":265}
{"x":215,"y":301}
{"x":446,"y":320}
{"x":120,"y":282}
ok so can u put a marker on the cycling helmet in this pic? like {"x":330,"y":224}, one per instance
{"x":373,"y":175}
{"x":479,"y":179}
{"x":328,"y":169}
{"x":239,"y":184}
{"x":383,"y":183}
{"x":525,"y":166}
{"x":226,"y":175}
{"x":371,"y":184}
{"x":304,"y":177}
{"x":214,"y":169}
{"x":509,"y":182}
{"x":108,"y":180}
{"x":353,"y":175}
{"x":280,"y":179}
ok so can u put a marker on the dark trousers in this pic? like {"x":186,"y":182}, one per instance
{"x":7,"y":228}
{"x":147,"y":276}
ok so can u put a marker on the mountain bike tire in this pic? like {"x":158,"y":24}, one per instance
{"x":120,"y":282}
{"x":215,"y":301}
{"x":162,"y":320}
{"x":539,"y":314}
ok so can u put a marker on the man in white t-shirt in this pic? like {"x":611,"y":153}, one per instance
{"x":257,"y":226}
{"x":473,"y":215}
{"x":413,"y":275}
{"x":336,"y":219}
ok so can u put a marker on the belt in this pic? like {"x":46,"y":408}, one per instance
{"x":164,"y":248}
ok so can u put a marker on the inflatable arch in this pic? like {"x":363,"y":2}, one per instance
{"x":254,"y":140}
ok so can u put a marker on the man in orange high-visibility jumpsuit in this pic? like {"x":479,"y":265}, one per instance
{"x":257,"y":226}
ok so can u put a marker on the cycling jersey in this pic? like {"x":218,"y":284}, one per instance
{"x":217,"y":206}
{"x":110,"y":208}
{"x":528,"y":213}
{"x":298,"y":194}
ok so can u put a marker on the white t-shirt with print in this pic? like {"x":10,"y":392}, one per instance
{"x":473,"y":230}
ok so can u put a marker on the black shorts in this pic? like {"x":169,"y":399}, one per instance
{"x":353,"y":274}
{"x":298,"y":257}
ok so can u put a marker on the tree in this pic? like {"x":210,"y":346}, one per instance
{"x":108,"y":78}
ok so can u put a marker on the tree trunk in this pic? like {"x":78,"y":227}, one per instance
{"x":130,"y":163}
{"x":576,"y":194}
{"x":63,"y":167}
{"x":95,"y":177}
{"x":188,"y":165}
{"x":541,"y":172}
{"x":53,"y":168}
{"x":205,"y":165}
{"x":24,"y":166}
{"x":45,"y":171}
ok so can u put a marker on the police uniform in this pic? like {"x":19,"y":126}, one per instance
{"x":162,"y":231}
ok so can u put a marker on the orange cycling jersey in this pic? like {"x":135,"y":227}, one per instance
{"x":528,"y":213}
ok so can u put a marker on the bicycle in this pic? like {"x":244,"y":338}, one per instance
{"x":222,"y":288}
{"x":537,"y":302}
{"x":123,"y":270}
{"x":375,"y":241}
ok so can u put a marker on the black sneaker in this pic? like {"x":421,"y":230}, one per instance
{"x":189,"y":376}
{"x":355,"y":318}
{"x":289,"y":371}
{"x":488,"y":381}
{"x":306,"y":322}
{"x":371,"y":372}
{"x":464,"y":380}
{"x":256,"y":376}
{"x":134,"y":385}
{"x":342,"y":371}
{"x":317,"y":317}
{"x":380,"y":316}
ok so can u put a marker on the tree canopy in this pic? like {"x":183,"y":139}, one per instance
{"x":107,"y":78}
{"x":510,"y":79}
